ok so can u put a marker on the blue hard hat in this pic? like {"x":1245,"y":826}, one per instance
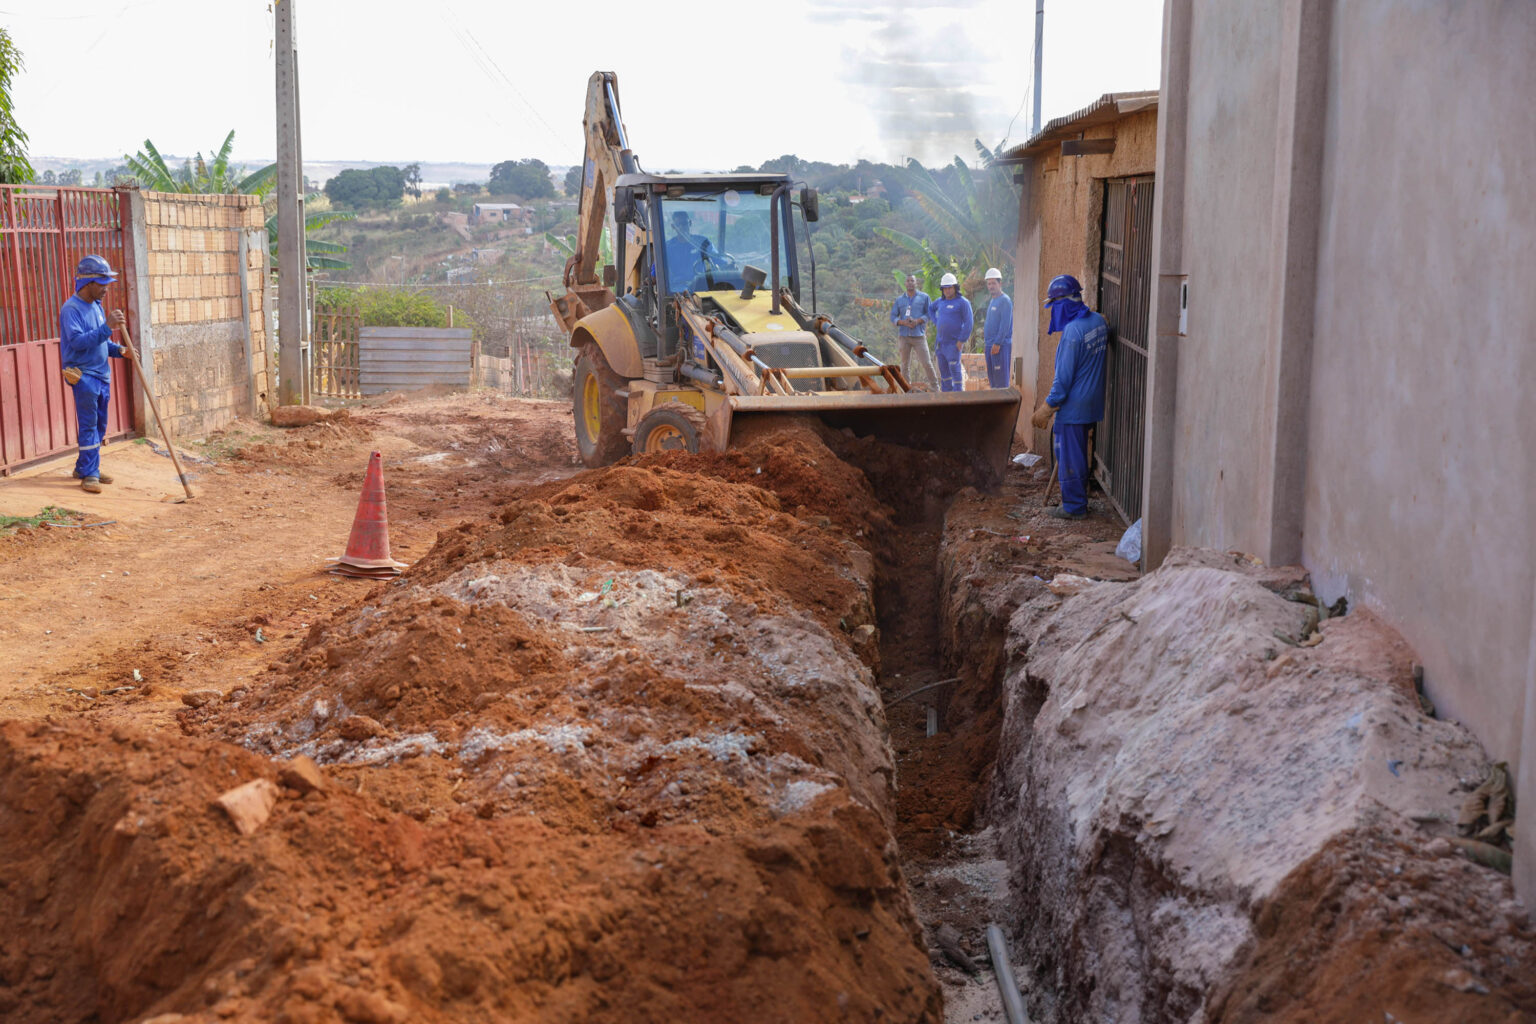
{"x":1062,"y":286}
{"x":95,"y":268}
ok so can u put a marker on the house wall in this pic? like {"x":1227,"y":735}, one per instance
{"x":1350,"y":390}
{"x":1060,"y":231}
{"x":204,"y":261}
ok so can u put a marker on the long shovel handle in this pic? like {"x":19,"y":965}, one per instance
{"x":149,"y":396}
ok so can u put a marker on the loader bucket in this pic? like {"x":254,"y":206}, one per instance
{"x":978,"y":422}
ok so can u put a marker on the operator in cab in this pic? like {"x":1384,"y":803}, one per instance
{"x":688,"y":254}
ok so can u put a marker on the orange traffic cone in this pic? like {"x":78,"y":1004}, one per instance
{"x":367,"y":554}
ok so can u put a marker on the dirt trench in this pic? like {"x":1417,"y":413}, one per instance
{"x":617,"y":751}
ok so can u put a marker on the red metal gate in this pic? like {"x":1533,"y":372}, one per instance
{"x":43,"y":234}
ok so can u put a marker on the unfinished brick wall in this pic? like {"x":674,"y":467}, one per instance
{"x":207,"y":335}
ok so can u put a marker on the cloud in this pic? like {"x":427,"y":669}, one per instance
{"x":917,"y":68}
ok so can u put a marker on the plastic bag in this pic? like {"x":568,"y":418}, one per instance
{"x":1026,"y":459}
{"x":1129,"y":547}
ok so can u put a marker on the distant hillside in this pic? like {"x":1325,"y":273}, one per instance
{"x":433,"y":174}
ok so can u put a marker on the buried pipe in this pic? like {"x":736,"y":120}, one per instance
{"x":1013,"y":1005}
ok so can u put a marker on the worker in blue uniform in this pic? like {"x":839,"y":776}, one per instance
{"x":910,"y":315}
{"x":85,"y":344}
{"x":997,"y":330}
{"x":1076,"y":399}
{"x":952,"y":316}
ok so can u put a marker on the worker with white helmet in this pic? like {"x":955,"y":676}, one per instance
{"x":952,"y":315}
{"x":997,"y":332}
{"x":85,"y":344}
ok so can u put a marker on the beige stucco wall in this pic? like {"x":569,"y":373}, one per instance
{"x":1350,"y":212}
{"x":1067,"y":214}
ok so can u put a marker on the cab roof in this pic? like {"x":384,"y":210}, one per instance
{"x":701,"y":180}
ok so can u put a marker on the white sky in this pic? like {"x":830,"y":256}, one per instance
{"x":480,"y":81}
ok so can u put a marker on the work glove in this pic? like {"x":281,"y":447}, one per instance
{"x":1042,"y":417}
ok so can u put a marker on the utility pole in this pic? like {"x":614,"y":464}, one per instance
{"x":290,"y":215}
{"x":1034,"y":126}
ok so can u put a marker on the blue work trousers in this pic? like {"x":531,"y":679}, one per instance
{"x":951,"y":373}
{"x":998,"y":366}
{"x":1071,"y":441}
{"x":92,"y":396}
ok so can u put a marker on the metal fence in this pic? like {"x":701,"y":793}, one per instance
{"x":43,"y":234}
{"x":1125,"y":294}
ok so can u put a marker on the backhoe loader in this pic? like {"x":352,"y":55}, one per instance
{"x":699,"y":323}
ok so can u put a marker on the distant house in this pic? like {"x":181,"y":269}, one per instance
{"x":497,"y":213}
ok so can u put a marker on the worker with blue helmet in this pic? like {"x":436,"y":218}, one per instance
{"x":1076,"y":398}
{"x":85,"y":345}
{"x":953,"y":320}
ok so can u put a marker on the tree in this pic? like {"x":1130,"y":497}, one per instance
{"x":573,"y":180}
{"x":373,"y":187}
{"x":975,"y":213}
{"x":412,"y":173}
{"x":198,"y":176}
{"x":14,"y":168}
{"x":443,"y":194}
{"x":467,"y":188}
{"x":527,"y":179}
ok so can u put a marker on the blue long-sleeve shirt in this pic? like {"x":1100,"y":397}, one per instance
{"x":911,"y":307}
{"x":998,"y":329}
{"x":954,"y":320}
{"x":1077,"y":393}
{"x":85,"y":340}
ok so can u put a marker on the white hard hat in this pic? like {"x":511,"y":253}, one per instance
{"x":993,"y":274}
{"x":948,"y":281}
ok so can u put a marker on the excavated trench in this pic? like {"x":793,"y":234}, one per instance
{"x":642,"y":748}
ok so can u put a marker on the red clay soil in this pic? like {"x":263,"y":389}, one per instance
{"x":617,"y":754}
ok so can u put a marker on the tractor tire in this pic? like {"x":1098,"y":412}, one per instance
{"x":670,"y":427}
{"x":598,"y":408}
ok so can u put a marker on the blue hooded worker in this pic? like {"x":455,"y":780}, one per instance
{"x":1076,"y":398}
{"x":997,"y":331}
{"x":952,"y":316}
{"x":85,"y":344}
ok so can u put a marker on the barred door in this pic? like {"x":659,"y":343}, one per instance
{"x":1125,"y":293}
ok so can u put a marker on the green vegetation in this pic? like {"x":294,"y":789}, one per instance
{"x":386,"y":307}
{"x":51,"y":514}
{"x":199,"y":176}
{"x":526,"y":179}
{"x":14,"y":168}
{"x":376,"y":186}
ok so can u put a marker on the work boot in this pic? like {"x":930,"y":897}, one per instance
{"x":1058,"y":512}
{"x":90,"y":485}
{"x":100,"y":476}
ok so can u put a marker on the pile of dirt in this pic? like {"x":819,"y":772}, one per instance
{"x":618,"y":753}
{"x":1203,"y":796}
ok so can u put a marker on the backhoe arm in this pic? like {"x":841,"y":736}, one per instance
{"x":608,"y":155}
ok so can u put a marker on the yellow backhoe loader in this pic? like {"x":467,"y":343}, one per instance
{"x":699,"y":322}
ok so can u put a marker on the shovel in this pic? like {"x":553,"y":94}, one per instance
{"x":149,"y":396}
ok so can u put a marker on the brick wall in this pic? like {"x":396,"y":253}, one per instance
{"x":207,"y":335}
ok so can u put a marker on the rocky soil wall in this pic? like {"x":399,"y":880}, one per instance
{"x":1205,"y":821}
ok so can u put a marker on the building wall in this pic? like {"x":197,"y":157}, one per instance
{"x":206,"y":329}
{"x":1064,"y":222}
{"x":1359,"y":245}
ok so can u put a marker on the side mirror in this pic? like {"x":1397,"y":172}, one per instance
{"x":623,"y":205}
{"x":810,"y":204}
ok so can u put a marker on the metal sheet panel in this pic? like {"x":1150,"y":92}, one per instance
{"x":406,"y":358}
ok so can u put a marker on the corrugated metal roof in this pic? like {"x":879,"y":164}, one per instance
{"x":1110,"y":107}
